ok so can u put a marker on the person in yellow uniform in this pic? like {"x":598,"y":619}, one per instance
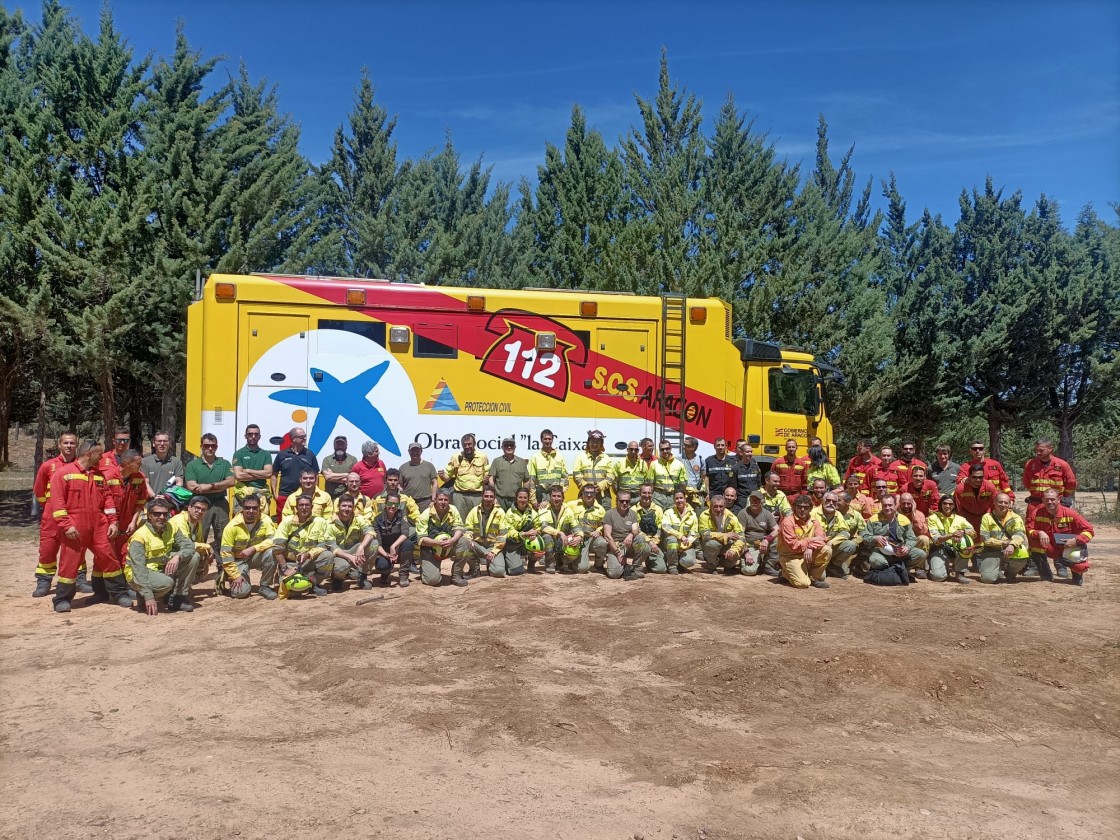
{"x":587,"y":531}
{"x":952,"y":541}
{"x":247,"y":544}
{"x":393,"y":488}
{"x":440,"y":533}
{"x":556,"y":526}
{"x":467,"y":470}
{"x":594,"y":466}
{"x":631,"y":472}
{"x":351,"y":547}
{"x":547,"y":468}
{"x":322,"y":505}
{"x":364,"y":506}
{"x":299,"y":544}
{"x":680,"y":530}
{"x":721,"y":537}
{"x":667,"y":473}
{"x":649,"y":515}
{"x":189,"y":522}
{"x":1004,"y":546}
{"x":521,"y":550}
{"x":162,"y":560}
{"x":842,"y":532}
{"x":486,"y":533}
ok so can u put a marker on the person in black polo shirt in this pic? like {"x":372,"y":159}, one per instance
{"x":717,"y":470}
{"x":289,"y":465}
{"x":748,"y":476}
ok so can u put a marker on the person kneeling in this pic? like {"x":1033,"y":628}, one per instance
{"x":163,"y":561}
{"x":1005,"y":542}
{"x":803,"y":548}
{"x":624,"y":541}
{"x":247,"y":544}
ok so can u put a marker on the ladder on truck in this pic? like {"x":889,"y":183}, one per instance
{"x":674,"y":322}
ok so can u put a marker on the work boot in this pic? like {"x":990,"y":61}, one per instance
{"x":81,"y":583}
{"x":402,"y":578}
{"x":473,"y":569}
{"x":1078,"y":579}
{"x":550,"y":567}
{"x":820,"y":584}
{"x":673,"y":570}
{"x":364,"y":581}
{"x":920,"y":574}
{"x":1063,"y":571}
{"x":628,"y":573}
{"x":267,"y":592}
{"x":185,"y":604}
{"x":62,"y":606}
{"x":459,"y":580}
{"x":100,"y":593}
{"x":383,"y":580}
{"x":338,"y":585}
{"x":961,"y":578}
{"x":171,"y":603}
{"x":1044,"y":569}
{"x":42,"y":586}
{"x":1009,"y":577}
{"x":316,"y":589}
{"x":637,"y":571}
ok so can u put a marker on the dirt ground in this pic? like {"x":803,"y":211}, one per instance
{"x":569,"y":707}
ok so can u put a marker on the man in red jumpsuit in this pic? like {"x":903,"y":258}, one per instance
{"x":791,"y":471}
{"x":907,"y":461}
{"x":925,"y":492}
{"x":85,"y":514}
{"x":1053,"y":527}
{"x":48,"y":531}
{"x":865,"y":465}
{"x":1045,"y":472}
{"x":130,"y":489}
{"x":975,"y":496}
{"x":993,"y":469}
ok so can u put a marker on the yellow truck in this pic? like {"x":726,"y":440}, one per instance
{"x":400,"y":362}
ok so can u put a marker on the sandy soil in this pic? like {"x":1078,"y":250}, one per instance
{"x":696,"y":707}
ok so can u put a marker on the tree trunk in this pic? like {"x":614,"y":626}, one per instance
{"x":995,"y":432}
{"x":40,"y":435}
{"x":108,"y":412}
{"x":1065,"y":437}
{"x":5,"y":414}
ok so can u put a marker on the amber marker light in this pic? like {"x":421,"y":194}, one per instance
{"x":476,"y":303}
{"x":588,"y":308}
{"x":355,"y":297}
{"x":225,"y":291}
{"x":698,"y":314}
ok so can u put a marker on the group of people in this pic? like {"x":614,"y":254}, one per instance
{"x":352,"y":522}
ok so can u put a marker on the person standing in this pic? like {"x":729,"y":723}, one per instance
{"x":746,"y":474}
{"x":993,"y":469}
{"x":371,"y":468}
{"x":944,"y":470}
{"x":693,"y":471}
{"x":906,"y":461}
{"x":336,"y":467}
{"x":321,"y":503}
{"x":593,"y":466}
{"x":252,"y":469}
{"x":467,"y":471}
{"x":508,"y":474}
{"x":112,"y":457}
{"x":1045,"y":472}
{"x":925,"y":492}
{"x":212,"y":477}
{"x":667,"y":474}
{"x":84,"y":512}
{"x":791,"y":471}
{"x":820,"y":467}
{"x":49,"y":536}
{"x":161,"y":468}
{"x":974,"y":496}
{"x":288,"y":466}
{"x":418,"y":477}
{"x":547,"y":467}
{"x":864,"y":465}
{"x":718,"y":469}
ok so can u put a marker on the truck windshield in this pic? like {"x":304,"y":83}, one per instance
{"x":794,"y":392}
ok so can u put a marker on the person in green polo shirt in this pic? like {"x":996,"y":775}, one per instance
{"x":211,"y":476}
{"x":252,"y":467}
{"x":508,"y":474}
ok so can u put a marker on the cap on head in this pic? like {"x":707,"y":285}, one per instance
{"x":415,"y":446}
{"x":595,"y":434}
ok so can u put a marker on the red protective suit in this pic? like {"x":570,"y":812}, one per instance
{"x":791,"y":477}
{"x":903,"y":469}
{"x":866,"y":472}
{"x":972,"y":504}
{"x":48,"y":530}
{"x":130,"y":494}
{"x":926,"y":497}
{"x":80,"y":500}
{"x":993,"y":472}
{"x":1065,"y":521}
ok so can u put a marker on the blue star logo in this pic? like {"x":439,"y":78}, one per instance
{"x":342,"y":400}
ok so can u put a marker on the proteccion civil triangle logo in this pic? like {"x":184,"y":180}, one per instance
{"x":441,"y":399}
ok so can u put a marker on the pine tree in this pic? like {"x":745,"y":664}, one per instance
{"x":664,"y":162}
{"x":577,"y":213}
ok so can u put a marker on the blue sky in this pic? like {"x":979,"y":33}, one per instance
{"x":944,"y":94}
